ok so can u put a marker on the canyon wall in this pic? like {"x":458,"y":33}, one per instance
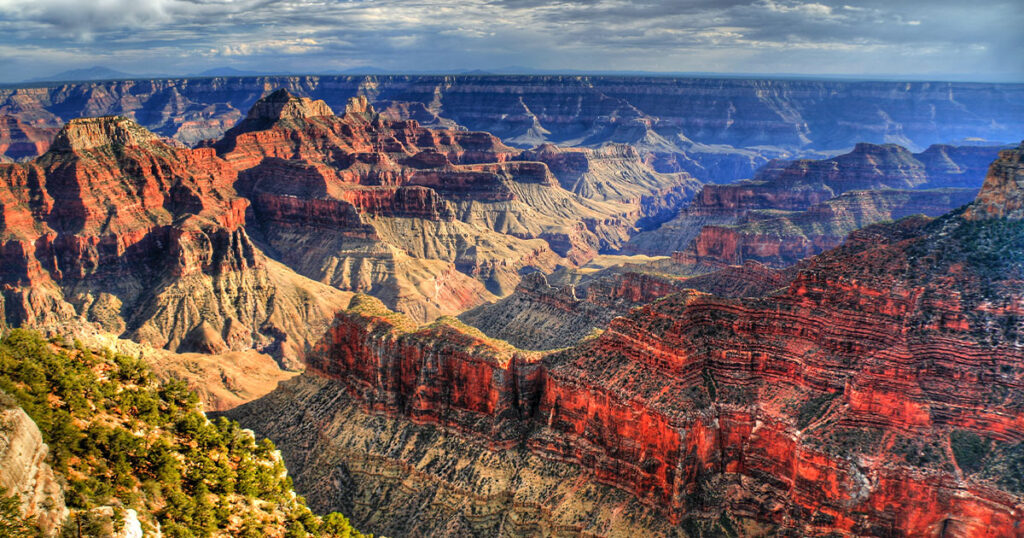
{"x":116,"y":228}
{"x":716,"y":129}
{"x":794,"y":209}
{"x":878,"y":394}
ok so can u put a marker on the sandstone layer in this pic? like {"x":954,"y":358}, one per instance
{"x":878,"y":394}
{"x":540,"y":315}
{"x":431,"y":221}
{"x":807,"y":197}
{"x":113,"y":226}
{"x":20,"y":140}
{"x":24,"y":472}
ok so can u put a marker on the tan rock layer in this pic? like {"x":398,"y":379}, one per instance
{"x":788,"y":410}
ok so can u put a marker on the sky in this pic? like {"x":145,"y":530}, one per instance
{"x":932,"y":39}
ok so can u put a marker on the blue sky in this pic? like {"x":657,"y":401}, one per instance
{"x":980,"y":40}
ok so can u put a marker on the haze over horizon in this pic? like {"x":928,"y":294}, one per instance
{"x":872,"y":39}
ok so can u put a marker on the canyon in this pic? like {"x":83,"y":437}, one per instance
{"x":717,"y":129}
{"x":255,"y":240}
{"x":518,"y":306}
{"x":875,"y":394}
{"x":114,"y":227}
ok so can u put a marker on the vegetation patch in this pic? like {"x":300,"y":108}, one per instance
{"x":813,"y":409}
{"x":120,"y":439}
{"x":969,"y":449}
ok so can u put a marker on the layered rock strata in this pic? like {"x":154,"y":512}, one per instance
{"x":431,"y":221}
{"x":878,"y":394}
{"x":539,"y":315}
{"x":112,"y":226}
{"x":808,"y":198}
{"x":20,"y":140}
{"x":717,"y":129}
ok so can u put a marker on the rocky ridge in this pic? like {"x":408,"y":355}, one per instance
{"x":115,"y":227}
{"x":825,"y":408}
{"x":168,"y":246}
{"x":542,"y":316}
{"x":432,"y":221}
{"x":804,"y":203}
{"x":716,"y":129}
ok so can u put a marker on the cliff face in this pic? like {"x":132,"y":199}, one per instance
{"x":431,"y":221}
{"x":541,"y":316}
{"x":782,"y":238}
{"x":161,"y":244}
{"x":877,"y":395}
{"x":1001,"y":195}
{"x":716,"y":129}
{"x":618,"y":172}
{"x":24,"y":472}
{"x":113,"y":226}
{"x":807,"y":196}
{"x":19,"y":140}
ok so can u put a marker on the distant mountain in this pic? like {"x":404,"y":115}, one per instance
{"x":95,"y":72}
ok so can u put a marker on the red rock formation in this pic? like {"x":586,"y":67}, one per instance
{"x":387,"y":207}
{"x":116,"y":227}
{"x":20,"y":140}
{"x":795,"y":209}
{"x":877,"y":395}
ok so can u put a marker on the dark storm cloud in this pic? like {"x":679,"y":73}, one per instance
{"x":912,"y":38}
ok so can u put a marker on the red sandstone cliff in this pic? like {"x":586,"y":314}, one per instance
{"x":431,"y":221}
{"x":20,"y":140}
{"x":795,"y":209}
{"x":115,"y":227}
{"x":877,"y":395}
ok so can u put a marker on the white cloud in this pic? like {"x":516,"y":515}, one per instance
{"x":704,"y":35}
{"x":280,"y":46}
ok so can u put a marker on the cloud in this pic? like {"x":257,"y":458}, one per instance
{"x":279,"y":46}
{"x":822,"y":36}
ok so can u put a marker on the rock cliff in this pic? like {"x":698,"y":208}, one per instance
{"x":878,"y":394}
{"x":24,"y":472}
{"x":20,"y":140}
{"x":541,"y":316}
{"x":432,"y":221}
{"x":782,"y":238}
{"x":810,"y":189}
{"x":115,"y":227}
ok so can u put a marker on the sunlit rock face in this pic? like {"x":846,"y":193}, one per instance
{"x":115,"y":227}
{"x":877,"y":394}
{"x":432,"y":221}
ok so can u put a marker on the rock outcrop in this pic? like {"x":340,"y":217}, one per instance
{"x":782,"y":238}
{"x":20,"y":140}
{"x":1002,"y":195}
{"x":115,"y":227}
{"x":807,"y":196}
{"x":878,"y":394}
{"x":620,"y":173}
{"x":433,"y":222}
{"x":24,"y":472}
{"x":539,"y":316}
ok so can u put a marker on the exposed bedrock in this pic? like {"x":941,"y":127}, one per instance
{"x":878,"y":394}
